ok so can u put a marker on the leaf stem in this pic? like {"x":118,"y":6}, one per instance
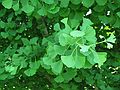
{"x":74,"y":50}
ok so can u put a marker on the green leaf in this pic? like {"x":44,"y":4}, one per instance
{"x":2,"y":24}
{"x":75,"y":19}
{"x":51,"y":51}
{"x":55,"y":10}
{"x":86,"y":23}
{"x":28,"y":8}
{"x":62,"y":40}
{"x":111,"y":39}
{"x":30,"y":72}
{"x":4,"y":34}
{"x":16,"y":6}
{"x":109,"y":45}
{"x":11,"y":69}
{"x":57,"y":27}
{"x":42,"y":11}
{"x":88,"y":64}
{"x":64,"y":3}
{"x":27,"y":50}
{"x":25,"y":41}
{"x":2,"y":70}
{"x":4,"y":76}
{"x":77,"y":33}
{"x":34,"y":40}
{"x":69,"y":75}
{"x":7,"y":3}
{"x":59,"y":49}
{"x":76,"y":2}
{"x":99,"y":57}
{"x":47,"y":61}
{"x":65,"y":39}
{"x":90,"y":35}
{"x":101,"y":2}
{"x":16,"y":59}
{"x":87,"y":3}
{"x":48,"y":1}
{"x":118,"y":13}
{"x":84,"y":48}
{"x":57,"y":67}
{"x":117,"y":24}
{"x":68,"y":61}
{"x":102,"y":57}
{"x":79,"y":61}
{"x":59,"y":79}
{"x":105,"y":19}
{"x":35,"y":65}
{"x":34,"y":2}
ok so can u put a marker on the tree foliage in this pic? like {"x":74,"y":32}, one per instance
{"x":59,"y":44}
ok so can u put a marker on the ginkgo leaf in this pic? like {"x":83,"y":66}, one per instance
{"x":87,"y":3}
{"x":7,"y":3}
{"x":76,"y":2}
{"x":42,"y":11}
{"x":64,"y":3}
{"x":34,"y":40}
{"x":77,"y":33}
{"x":48,"y":1}
{"x":101,"y":2}
{"x":30,"y":72}
{"x":57,"y":67}
{"x":79,"y":61}
{"x":102,"y":56}
{"x":47,"y":61}
{"x":16,"y":6}
{"x":59,"y":79}
{"x":109,"y":45}
{"x":111,"y":39}
{"x":68,"y":61}
{"x":28,"y":8}
{"x":84,"y":48}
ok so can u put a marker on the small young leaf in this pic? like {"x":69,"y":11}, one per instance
{"x":109,"y":45}
{"x":111,"y":39}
